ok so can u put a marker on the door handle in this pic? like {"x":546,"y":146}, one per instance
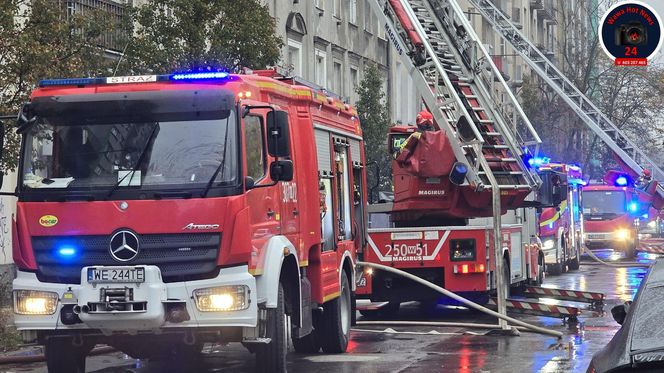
{"x":296,"y":212}
{"x":270,"y":213}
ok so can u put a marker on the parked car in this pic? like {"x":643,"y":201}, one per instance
{"x":639,"y":344}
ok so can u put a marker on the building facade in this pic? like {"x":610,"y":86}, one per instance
{"x":330,"y":42}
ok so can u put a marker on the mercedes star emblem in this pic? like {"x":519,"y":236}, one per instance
{"x":124,"y":246}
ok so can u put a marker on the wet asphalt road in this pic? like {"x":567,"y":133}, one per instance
{"x":438,"y":349}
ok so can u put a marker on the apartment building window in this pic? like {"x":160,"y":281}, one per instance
{"x":320,"y":65}
{"x":352,"y":11}
{"x":368,"y":19}
{"x":336,"y":8}
{"x":337,"y":75}
{"x":354,"y":81}
{"x":295,"y":56}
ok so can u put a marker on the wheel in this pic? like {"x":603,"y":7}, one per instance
{"x":630,"y":252}
{"x":63,"y":357}
{"x":308,"y":344}
{"x":554,"y":269}
{"x":272,"y":356}
{"x":335,"y":323}
{"x":573,"y":264}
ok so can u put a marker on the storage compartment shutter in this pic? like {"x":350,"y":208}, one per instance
{"x":323,"y":152}
{"x":355,"y":155}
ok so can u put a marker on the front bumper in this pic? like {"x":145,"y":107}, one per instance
{"x":154,"y":291}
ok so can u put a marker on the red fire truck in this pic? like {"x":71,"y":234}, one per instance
{"x":612,"y":209}
{"x":158,"y":213}
{"x":560,"y":226}
{"x":442,"y":232}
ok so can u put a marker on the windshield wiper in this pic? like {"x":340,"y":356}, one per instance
{"x":221,"y":164}
{"x":138,"y":162}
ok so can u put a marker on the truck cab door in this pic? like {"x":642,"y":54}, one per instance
{"x":262,"y":202}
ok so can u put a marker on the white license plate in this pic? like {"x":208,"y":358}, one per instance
{"x":116,"y":274}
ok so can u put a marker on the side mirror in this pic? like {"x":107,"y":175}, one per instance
{"x":620,"y":312}
{"x":249,"y":183}
{"x":281,"y":170}
{"x":278,"y":138}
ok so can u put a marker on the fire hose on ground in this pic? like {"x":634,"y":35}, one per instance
{"x":595,"y":258}
{"x":462,"y":300}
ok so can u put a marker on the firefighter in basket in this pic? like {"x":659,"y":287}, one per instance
{"x":424,"y":123}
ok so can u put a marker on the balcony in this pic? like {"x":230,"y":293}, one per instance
{"x":547,"y":12}
{"x":536,"y":4}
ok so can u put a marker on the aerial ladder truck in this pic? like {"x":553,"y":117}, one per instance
{"x":467,"y":228}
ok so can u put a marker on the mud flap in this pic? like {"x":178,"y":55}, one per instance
{"x":307,"y":324}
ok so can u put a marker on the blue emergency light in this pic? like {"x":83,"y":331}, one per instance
{"x":633,"y":207}
{"x":538,"y":161}
{"x":67,"y":252}
{"x":622,"y":181}
{"x":200,"y":76}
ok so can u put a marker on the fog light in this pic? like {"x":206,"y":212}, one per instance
{"x":30,"y":302}
{"x":223,"y":298}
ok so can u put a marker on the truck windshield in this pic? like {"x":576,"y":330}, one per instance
{"x":156,"y":154}
{"x":602,"y":202}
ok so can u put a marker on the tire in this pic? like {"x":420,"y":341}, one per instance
{"x":272,"y":357}
{"x":63,"y":357}
{"x":574,"y":264}
{"x":335,"y":323}
{"x":630,"y":252}
{"x":554,"y":269}
{"x":308,"y":344}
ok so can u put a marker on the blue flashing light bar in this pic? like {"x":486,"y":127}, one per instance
{"x":538,"y":161}
{"x":200,"y":76}
{"x":622,"y":181}
{"x":190,"y":76}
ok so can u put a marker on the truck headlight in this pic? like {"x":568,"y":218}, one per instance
{"x":548,"y":244}
{"x":222,"y":298}
{"x":32,"y":302}
{"x":621,"y":234}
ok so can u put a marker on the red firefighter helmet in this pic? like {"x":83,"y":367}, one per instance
{"x":424,"y":118}
{"x":646,"y":173}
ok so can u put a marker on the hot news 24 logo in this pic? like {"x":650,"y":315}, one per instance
{"x":631,"y":33}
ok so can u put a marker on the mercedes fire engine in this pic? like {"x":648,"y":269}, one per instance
{"x":158,"y":213}
{"x":560,"y":226}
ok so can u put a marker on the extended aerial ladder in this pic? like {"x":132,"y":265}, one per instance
{"x":600,"y":124}
{"x":458,"y":81}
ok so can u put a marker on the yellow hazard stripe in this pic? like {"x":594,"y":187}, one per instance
{"x":556,"y":216}
{"x":331,"y":296}
{"x":286,"y":90}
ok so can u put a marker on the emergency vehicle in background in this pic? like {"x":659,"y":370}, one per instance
{"x":560,"y":226}
{"x":612,"y":211}
{"x":157,"y":213}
